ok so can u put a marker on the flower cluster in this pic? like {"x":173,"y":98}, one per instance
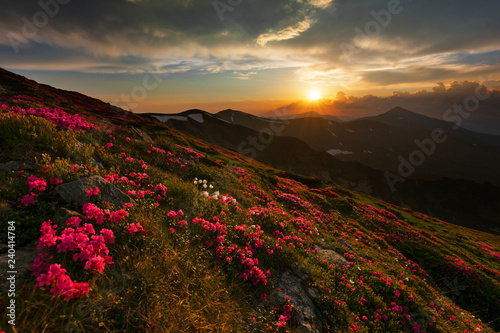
{"x":287,"y":313}
{"x":193,"y":153}
{"x":57,"y":117}
{"x":60,"y":283}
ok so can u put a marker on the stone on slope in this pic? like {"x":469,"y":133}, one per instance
{"x":62,"y":215}
{"x":77,"y":191}
{"x":14,"y":165}
{"x":24,"y":257}
{"x":303,"y":315}
{"x":143,"y":135}
{"x":333,"y":257}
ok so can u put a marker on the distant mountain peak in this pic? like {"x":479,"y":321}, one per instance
{"x":398,"y":110}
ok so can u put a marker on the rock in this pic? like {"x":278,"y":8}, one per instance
{"x":344,"y":243}
{"x":143,"y":135}
{"x":98,"y":164}
{"x":77,"y":191}
{"x":24,"y":257}
{"x":301,"y":271}
{"x":303,"y":316}
{"x":63,"y":214}
{"x":313,"y":293}
{"x":333,"y":257}
{"x":14,"y":165}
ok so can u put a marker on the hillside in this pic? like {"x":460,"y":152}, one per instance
{"x":123,"y":224}
{"x":440,"y":196}
{"x":377,"y":142}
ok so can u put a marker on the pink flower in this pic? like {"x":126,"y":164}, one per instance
{"x":43,"y":280}
{"x":108,"y":236}
{"x":118,"y":216}
{"x":127,"y":139}
{"x":92,"y":192}
{"x":36,"y":183}
{"x":74,"y":221}
{"x":136,"y":227}
{"x":29,"y":199}
{"x":55,"y":181}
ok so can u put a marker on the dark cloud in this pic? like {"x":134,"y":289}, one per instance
{"x":422,"y":41}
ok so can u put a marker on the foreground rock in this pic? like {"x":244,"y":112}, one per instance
{"x":333,"y":257}
{"x":77,"y":191}
{"x":24,"y":257}
{"x":143,"y":135}
{"x":62,"y":215}
{"x":15,"y":165}
{"x":303,"y":315}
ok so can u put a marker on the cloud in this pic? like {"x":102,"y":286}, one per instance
{"x":287,"y":33}
{"x":321,"y":3}
{"x":418,"y":45}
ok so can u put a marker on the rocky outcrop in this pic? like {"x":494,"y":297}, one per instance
{"x":24,"y":256}
{"x":303,"y":315}
{"x":141,"y":134}
{"x":333,"y":257}
{"x":15,"y":165}
{"x":62,"y":215}
{"x":77,"y":191}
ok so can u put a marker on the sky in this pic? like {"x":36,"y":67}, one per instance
{"x":256,"y":55}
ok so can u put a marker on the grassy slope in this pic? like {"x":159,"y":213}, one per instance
{"x":172,"y":279}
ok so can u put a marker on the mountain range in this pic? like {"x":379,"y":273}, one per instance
{"x":366,"y":155}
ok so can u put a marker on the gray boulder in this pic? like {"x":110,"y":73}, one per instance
{"x":303,"y":315}
{"x":333,"y":257}
{"x":14,"y":165}
{"x":77,"y":191}
{"x":62,"y":215}
{"x":24,"y":257}
{"x":143,"y":135}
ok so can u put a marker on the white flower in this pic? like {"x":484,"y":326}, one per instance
{"x":195,"y":182}
{"x":224,"y":198}
{"x":233,"y":201}
{"x":214,"y":197}
{"x":204,"y":185}
{"x":252,"y":226}
{"x":211,"y":186}
{"x":216,"y":193}
{"x":204,"y":181}
{"x":205,"y":194}
{"x":196,"y":178}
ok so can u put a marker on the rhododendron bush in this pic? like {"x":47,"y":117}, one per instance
{"x":55,"y":116}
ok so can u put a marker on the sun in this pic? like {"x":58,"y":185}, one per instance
{"x":314,"y":95}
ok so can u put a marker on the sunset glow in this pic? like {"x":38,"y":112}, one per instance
{"x":256,"y":56}
{"x":314,"y":95}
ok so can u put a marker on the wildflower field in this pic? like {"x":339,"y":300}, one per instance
{"x":210,"y":241}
